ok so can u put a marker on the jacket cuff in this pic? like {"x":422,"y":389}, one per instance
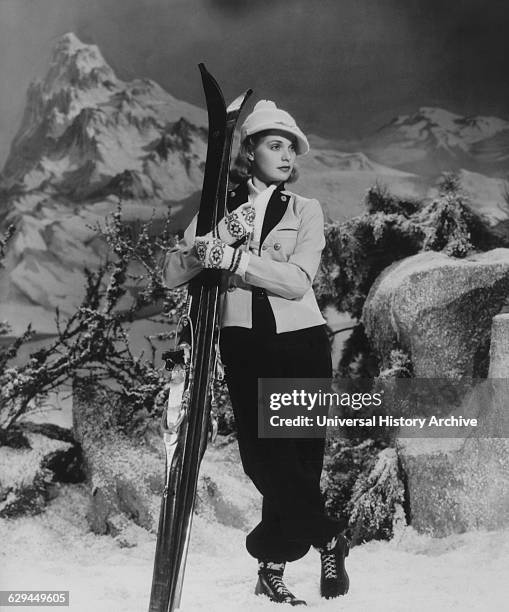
{"x":243,"y":264}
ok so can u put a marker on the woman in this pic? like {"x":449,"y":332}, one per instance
{"x":271,"y":240}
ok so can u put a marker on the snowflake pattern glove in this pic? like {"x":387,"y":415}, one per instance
{"x":214,"y":253}
{"x":236,"y":224}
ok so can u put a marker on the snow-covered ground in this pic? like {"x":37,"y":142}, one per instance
{"x":411,"y":573}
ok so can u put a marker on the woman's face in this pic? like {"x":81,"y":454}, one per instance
{"x":273,"y":158}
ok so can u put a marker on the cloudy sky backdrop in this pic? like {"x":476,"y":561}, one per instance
{"x":343,"y":68}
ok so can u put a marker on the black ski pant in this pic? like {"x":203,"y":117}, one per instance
{"x":285,"y":471}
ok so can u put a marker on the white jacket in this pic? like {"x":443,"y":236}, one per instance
{"x":291,"y":244}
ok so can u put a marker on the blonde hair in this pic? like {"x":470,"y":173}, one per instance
{"x":241,"y":169}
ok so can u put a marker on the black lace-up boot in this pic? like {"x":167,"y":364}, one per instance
{"x":334,"y":580}
{"x":270,"y":583}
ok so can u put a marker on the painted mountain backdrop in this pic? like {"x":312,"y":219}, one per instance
{"x":87,"y":139}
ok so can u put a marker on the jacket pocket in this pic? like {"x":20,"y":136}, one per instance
{"x":284,"y":240}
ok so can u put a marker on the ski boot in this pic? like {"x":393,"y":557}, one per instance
{"x":334,"y":580}
{"x":270,"y":583}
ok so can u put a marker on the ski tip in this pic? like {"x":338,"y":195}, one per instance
{"x":205,"y":74}
{"x":239,"y":102}
{"x":216,"y":105}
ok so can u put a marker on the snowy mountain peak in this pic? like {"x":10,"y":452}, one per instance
{"x":77,"y":64}
{"x":446,"y":128}
{"x":87,"y":140}
{"x":82,"y":123}
{"x":69,"y":43}
{"x":438,"y":116}
{"x":433,"y":140}
{"x":78,"y":78}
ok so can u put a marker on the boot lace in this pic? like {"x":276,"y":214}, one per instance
{"x":276,"y":582}
{"x":329,"y":565}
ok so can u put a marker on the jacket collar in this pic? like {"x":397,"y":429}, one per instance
{"x":276,"y":206}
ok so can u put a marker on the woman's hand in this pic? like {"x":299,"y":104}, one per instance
{"x":235,"y":225}
{"x":214,"y":253}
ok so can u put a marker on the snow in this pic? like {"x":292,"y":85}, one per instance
{"x":425,"y":446}
{"x":487,"y":194}
{"x":71,"y":55}
{"x":55,"y":167}
{"x":19,"y":467}
{"x":402,"y":270}
{"x":433,"y":140}
{"x":465,"y":572}
{"x":56,"y":408}
{"x":26,"y":202}
{"x":122,"y":148}
{"x":72,"y":44}
{"x":43,"y":283}
{"x":173,"y":183}
{"x":29,"y":236}
{"x":448,"y":128}
{"x":168,"y":109}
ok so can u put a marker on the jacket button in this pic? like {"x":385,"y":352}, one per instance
{"x":277,"y":246}
{"x":264,"y":247}
{"x":232,"y":194}
{"x":283,"y":198}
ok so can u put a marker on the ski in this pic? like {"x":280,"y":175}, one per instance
{"x":192,"y":365}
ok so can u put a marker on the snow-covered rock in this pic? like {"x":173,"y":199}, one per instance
{"x":439,"y":310}
{"x":456,"y":485}
{"x":125,"y":474}
{"x":461,"y":484}
{"x":499,"y":347}
{"x":29,"y":475}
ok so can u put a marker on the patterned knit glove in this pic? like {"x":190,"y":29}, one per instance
{"x":235,"y":225}
{"x":214,"y":253}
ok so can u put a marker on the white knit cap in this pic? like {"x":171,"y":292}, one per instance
{"x":267,"y":116}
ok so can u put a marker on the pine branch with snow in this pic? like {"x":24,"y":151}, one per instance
{"x":376,"y":507}
{"x":94,"y":341}
{"x":450,"y":225}
{"x":359,"y":249}
{"x":346,"y":461}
